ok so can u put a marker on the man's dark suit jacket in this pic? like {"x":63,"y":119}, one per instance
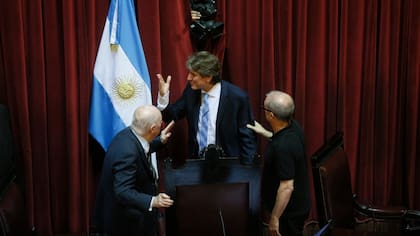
{"x":126,"y":189}
{"x":233,"y":114}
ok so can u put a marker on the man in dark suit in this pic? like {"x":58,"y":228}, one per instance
{"x":228,"y":109}
{"x":128,"y":197}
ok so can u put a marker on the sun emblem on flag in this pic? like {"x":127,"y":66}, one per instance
{"x":127,"y":89}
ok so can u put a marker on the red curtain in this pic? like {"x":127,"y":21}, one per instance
{"x":351,"y":65}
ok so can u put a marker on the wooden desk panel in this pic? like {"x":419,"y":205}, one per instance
{"x":224,"y":185}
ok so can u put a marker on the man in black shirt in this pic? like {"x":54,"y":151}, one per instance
{"x":285,"y":187}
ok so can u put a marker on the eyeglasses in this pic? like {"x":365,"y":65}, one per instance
{"x":268,"y":110}
{"x":265,"y":109}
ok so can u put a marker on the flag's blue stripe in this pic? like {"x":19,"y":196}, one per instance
{"x":111,"y":10}
{"x":104,"y":121}
{"x":130,"y":39}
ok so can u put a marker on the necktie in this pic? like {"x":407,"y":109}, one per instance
{"x":203,"y":123}
{"x":152,"y":169}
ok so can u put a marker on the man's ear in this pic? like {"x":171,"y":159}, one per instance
{"x":153,"y":127}
{"x":208,"y":79}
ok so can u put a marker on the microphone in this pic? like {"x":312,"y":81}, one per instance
{"x":222,"y":222}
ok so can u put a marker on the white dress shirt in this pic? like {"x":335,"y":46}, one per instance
{"x":214,"y":99}
{"x":146,"y":147}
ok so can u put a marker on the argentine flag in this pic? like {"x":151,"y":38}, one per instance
{"x":121,"y":80}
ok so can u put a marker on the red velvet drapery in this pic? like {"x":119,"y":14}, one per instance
{"x":351,"y":65}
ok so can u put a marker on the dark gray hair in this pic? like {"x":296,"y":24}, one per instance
{"x":205,"y":64}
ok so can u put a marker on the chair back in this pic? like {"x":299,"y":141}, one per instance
{"x":333,"y":191}
{"x":326,"y":229}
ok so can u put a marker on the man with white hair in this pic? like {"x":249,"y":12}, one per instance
{"x":128,"y":197}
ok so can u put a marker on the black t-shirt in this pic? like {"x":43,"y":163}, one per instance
{"x":285,"y":159}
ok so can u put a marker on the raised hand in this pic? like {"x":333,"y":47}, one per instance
{"x":166,"y":132}
{"x":164,"y":85}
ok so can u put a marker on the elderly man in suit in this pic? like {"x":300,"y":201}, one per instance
{"x":128,"y":197}
{"x":217,"y":111}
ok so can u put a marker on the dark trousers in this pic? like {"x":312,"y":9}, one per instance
{"x":287,"y":226}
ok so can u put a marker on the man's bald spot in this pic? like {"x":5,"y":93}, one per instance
{"x":145,"y":116}
{"x":281,"y":104}
{"x":284,"y":99}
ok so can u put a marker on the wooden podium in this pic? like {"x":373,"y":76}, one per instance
{"x":218,"y":196}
